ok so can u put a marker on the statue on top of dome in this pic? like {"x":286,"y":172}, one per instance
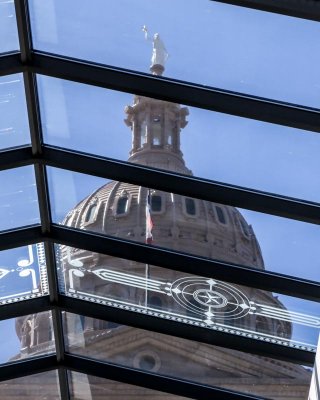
{"x":159,"y":53}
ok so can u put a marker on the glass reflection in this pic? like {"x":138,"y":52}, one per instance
{"x":44,"y":386}
{"x":190,"y":225}
{"x":181,"y":358}
{"x":18,"y":198}
{"x":88,"y":387}
{"x":23,"y":273}
{"x":216,"y":146}
{"x":14,"y":127}
{"x":8,"y":27}
{"x":225,"y":46}
{"x":26,"y":336}
{"x":188,"y":299}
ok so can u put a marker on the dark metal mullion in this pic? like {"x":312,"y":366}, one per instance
{"x":21,"y":308}
{"x":214,"y":99}
{"x":166,"y":258}
{"x":16,"y":157}
{"x":201,"y":188}
{"x":306,"y":9}
{"x":24,"y":368}
{"x":11,"y":64}
{"x":186,"y":331}
{"x":25,"y":40}
{"x":191,"y":186}
{"x":20,"y":237}
{"x":175,"y":386}
{"x":186,"y":263}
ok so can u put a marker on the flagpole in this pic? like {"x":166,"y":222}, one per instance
{"x":149,"y":238}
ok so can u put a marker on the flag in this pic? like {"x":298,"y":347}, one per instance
{"x":149,"y":222}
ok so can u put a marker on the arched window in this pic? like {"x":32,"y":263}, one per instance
{"x":156,"y":130}
{"x":190,"y":206}
{"x":90,"y":213}
{"x":143,"y":133}
{"x":221,"y":215}
{"x":122,"y":205}
{"x":156,"y":203}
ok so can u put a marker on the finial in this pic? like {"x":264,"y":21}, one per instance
{"x":159,"y":53}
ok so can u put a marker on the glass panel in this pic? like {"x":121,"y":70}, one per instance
{"x":8,"y":27}
{"x":14,"y":127}
{"x":23,"y":273}
{"x":225,"y":46}
{"x":215,"y":146}
{"x":188,"y":299}
{"x":185,"y":359}
{"x":269,"y":242}
{"x":87,"y":387}
{"x":44,"y":386}
{"x":18,"y":198}
{"x":26,"y":336}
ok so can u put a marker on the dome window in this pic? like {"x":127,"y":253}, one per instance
{"x":190,"y":206}
{"x":221,"y":215}
{"x":143,"y":136}
{"x":156,"y":203}
{"x":90,"y":214}
{"x":122,"y":205}
{"x":156,"y":130}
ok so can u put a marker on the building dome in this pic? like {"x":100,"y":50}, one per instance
{"x":180,"y":223}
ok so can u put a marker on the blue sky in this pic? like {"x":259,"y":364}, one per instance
{"x":227,"y":47}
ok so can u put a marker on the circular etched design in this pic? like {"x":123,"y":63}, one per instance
{"x":210,"y":298}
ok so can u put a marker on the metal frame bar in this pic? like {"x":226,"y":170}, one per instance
{"x":30,"y":62}
{"x":301,"y":9}
{"x":237,"y":196}
{"x":190,"y":332}
{"x":183,"y":262}
{"x":200,"y":188}
{"x":166,"y":258}
{"x":31,"y":93}
{"x":191,"y":94}
{"x":23,"y":368}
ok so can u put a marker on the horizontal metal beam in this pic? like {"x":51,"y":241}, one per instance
{"x":25,"y":307}
{"x":16,"y":157}
{"x":36,"y":365}
{"x":10,"y":63}
{"x":307,"y":9}
{"x":20,"y":237}
{"x":186,"y":185}
{"x":219,"y":100}
{"x":182,"y":262}
{"x":191,"y":186}
{"x":149,"y":380}
{"x":190,"y":332}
